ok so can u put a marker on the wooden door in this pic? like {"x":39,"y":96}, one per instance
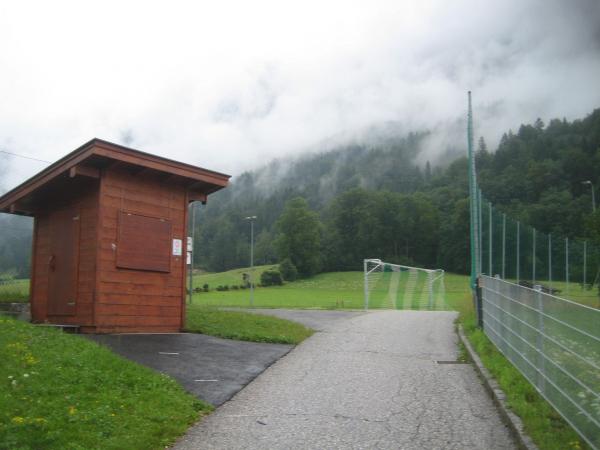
{"x":64,"y":262}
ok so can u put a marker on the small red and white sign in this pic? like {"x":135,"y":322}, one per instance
{"x":177,"y":247}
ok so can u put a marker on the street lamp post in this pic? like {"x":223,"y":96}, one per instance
{"x":191,"y":253}
{"x":251,"y":219}
{"x":593,"y":195}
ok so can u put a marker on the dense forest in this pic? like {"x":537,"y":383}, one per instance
{"x":378,"y":200}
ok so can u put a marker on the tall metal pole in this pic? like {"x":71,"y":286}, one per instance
{"x":550,"y":260}
{"x":584,"y":263}
{"x":251,"y":219}
{"x":251,"y":263}
{"x":518,"y":251}
{"x":480,"y":229}
{"x":533,"y":268}
{"x":473,"y":200}
{"x":366,"y":284}
{"x":503,"y":246}
{"x":490,"y":241}
{"x":567,"y":262}
{"x":191,"y":268}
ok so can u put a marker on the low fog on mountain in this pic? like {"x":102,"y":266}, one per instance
{"x":232,"y":85}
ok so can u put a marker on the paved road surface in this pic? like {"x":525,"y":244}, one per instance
{"x":317,"y":319}
{"x":369,"y":382}
{"x":211,"y":368}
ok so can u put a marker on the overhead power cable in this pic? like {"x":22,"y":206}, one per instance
{"x":23,"y":156}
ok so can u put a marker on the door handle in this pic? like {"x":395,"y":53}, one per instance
{"x":52,"y":263}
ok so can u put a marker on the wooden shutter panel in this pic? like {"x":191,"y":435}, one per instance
{"x":144,"y":243}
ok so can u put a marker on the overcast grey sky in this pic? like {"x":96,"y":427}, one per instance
{"x":229,"y":85}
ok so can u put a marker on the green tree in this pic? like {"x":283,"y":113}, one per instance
{"x":288,"y":270}
{"x":264,"y":249}
{"x":271,"y":277}
{"x":299,"y":237}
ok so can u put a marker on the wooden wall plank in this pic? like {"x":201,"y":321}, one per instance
{"x":129,"y":299}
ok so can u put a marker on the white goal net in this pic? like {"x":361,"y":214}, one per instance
{"x":394,"y":286}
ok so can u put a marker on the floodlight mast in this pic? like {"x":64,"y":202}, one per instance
{"x":251,"y":219}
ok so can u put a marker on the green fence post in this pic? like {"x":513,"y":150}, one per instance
{"x":479,"y":210}
{"x":490,"y":241}
{"x":550,"y":260}
{"x":475,"y":237}
{"x":533,"y":259}
{"x":479,"y":303}
{"x":518,"y":251}
{"x":503,"y":246}
{"x":584,"y":263}
{"x":567,"y":262}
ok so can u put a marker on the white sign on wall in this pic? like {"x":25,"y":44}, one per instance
{"x":177,"y":247}
{"x":190,"y":244}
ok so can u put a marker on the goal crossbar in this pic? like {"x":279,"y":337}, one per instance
{"x":421,"y":288}
{"x":383,"y":263}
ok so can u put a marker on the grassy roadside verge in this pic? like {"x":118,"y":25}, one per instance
{"x":244,"y":326}
{"x":62,"y":391}
{"x":542,"y":423}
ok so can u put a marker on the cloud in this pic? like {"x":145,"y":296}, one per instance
{"x":230,"y":85}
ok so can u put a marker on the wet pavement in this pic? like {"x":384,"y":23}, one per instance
{"x":211,"y":368}
{"x":372,"y":381}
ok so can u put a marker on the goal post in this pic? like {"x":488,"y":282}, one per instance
{"x":395,"y":286}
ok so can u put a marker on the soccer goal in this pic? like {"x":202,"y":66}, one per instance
{"x":394,"y":286}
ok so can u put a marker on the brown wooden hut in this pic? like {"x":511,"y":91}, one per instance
{"x":110,"y":225}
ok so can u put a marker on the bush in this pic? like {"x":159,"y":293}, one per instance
{"x":288,"y":270}
{"x":271,"y":277}
{"x":205,"y":287}
{"x":246,"y":279}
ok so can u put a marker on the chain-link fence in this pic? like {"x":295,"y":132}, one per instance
{"x":555,"y":343}
{"x":521,"y":254}
{"x":538,"y":301}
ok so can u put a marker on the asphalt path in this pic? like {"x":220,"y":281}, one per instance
{"x":211,"y":368}
{"x":317,"y":319}
{"x":372,"y":381}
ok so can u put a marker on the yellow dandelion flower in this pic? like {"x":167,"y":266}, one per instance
{"x":18,"y":420}
{"x":72,"y":410}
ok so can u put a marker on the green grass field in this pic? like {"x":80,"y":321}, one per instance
{"x":14,"y":291}
{"x":332,"y":290}
{"x":244,"y":326}
{"x":230,"y":277}
{"x":572,"y":291}
{"x":61,"y":391}
{"x":325,"y":291}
